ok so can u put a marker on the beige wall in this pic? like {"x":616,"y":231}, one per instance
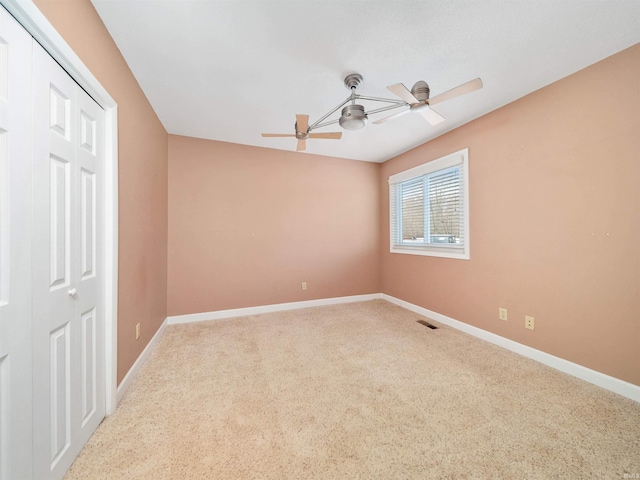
{"x":247,"y":225}
{"x":142,"y":152}
{"x":555,"y":221}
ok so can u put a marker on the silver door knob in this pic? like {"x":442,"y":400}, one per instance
{"x":72,"y":292}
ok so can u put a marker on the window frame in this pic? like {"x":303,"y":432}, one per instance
{"x":457,"y":159}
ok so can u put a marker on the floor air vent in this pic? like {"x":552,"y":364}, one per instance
{"x":427,"y":324}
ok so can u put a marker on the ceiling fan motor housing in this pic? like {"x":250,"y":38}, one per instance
{"x":301,"y":135}
{"x":353,"y":117}
{"x":421,"y":91}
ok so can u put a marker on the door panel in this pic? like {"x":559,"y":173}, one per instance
{"x":53,"y":295}
{"x":60,"y":391}
{"x":60,"y":112}
{"x":87,"y":224}
{"x":88,"y":277}
{"x":59,"y":222}
{"x":15,"y":250}
{"x":89,"y":366}
{"x":68,"y":324}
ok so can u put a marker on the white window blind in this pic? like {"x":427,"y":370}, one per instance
{"x":429,"y":213}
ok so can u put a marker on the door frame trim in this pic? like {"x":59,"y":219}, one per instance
{"x":34,"y":22}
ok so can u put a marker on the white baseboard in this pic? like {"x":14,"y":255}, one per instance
{"x":278,"y":307}
{"x":607,"y":382}
{"x":133,"y":371}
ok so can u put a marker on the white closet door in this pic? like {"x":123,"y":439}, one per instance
{"x":68,"y":323}
{"x":15,"y":249}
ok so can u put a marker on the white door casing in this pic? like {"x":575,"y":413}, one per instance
{"x":15,"y":249}
{"x":67,"y":314}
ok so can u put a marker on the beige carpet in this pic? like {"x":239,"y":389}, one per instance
{"x":357,"y":391}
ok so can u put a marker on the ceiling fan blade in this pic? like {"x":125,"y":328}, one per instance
{"x":302,"y":123}
{"x":332,"y":135}
{"x":391,"y":117}
{"x":302,"y":145}
{"x":433,"y":117}
{"x":403,"y":92}
{"x":457,"y":91}
{"x":278,"y":135}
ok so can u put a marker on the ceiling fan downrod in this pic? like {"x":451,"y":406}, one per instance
{"x":353,"y":116}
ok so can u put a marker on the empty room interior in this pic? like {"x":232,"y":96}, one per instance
{"x":212,"y":268}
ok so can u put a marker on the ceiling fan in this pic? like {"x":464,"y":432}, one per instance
{"x":418,"y":99}
{"x":354,"y":116}
{"x":303,"y":133}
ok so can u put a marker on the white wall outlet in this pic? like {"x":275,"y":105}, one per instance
{"x":304,"y":285}
{"x":529,"y":322}
{"x":502,"y":313}
{"x":137,"y":330}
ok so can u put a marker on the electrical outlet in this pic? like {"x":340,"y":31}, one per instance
{"x":529,"y":322}
{"x":304,"y":285}
{"x":137,"y":331}
{"x":502,"y":313}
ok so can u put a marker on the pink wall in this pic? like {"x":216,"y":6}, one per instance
{"x":247,"y":225}
{"x":142,"y":152}
{"x":555,"y":226}
{"x":555,"y":222}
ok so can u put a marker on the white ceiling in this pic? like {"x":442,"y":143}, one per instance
{"x":229,"y":70}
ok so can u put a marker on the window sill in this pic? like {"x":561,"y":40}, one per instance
{"x":431,"y":251}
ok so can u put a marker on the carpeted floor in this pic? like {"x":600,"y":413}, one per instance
{"x":355,"y":391}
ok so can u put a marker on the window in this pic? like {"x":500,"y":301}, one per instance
{"x":429,"y":208}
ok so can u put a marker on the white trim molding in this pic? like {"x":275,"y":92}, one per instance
{"x":39,"y":27}
{"x":137,"y":365}
{"x":607,"y":382}
{"x":278,"y":307}
{"x":602,"y":380}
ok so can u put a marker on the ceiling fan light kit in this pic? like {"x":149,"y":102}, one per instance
{"x":355,"y":117}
